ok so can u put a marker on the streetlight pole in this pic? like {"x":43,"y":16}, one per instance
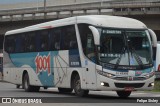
{"x":44,"y":5}
{"x":37,"y":5}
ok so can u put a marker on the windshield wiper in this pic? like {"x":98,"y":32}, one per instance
{"x":119,"y":59}
{"x":137,"y":58}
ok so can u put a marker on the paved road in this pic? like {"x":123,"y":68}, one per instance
{"x":95,"y":98}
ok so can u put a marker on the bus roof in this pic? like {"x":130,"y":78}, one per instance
{"x":97,"y":20}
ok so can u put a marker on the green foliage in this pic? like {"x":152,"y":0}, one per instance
{"x":157,"y":86}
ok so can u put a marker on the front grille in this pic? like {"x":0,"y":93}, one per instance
{"x":134,"y":85}
{"x":139,"y":78}
{"x":121,"y":78}
{"x":127,"y":79}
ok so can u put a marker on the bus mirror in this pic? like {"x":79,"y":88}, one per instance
{"x":95,"y":35}
{"x":154,"y":37}
{"x":154,"y":42}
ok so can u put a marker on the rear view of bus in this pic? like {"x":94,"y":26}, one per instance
{"x":102,"y":53}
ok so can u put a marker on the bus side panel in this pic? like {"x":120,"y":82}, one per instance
{"x":7,"y":68}
{"x":39,"y":66}
{"x":60,"y":69}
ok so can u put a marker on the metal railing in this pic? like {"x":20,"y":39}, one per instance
{"x":79,"y":7}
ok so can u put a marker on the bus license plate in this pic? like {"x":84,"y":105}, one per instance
{"x":129,"y":89}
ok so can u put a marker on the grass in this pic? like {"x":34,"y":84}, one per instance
{"x":157,"y":86}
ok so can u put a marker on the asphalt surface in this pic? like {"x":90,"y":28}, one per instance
{"x":95,"y":98}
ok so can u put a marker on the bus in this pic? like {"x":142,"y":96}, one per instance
{"x":81,"y":53}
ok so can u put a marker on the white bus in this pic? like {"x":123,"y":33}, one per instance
{"x":83,"y":53}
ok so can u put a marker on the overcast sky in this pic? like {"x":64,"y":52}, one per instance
{"x":16,"y":1}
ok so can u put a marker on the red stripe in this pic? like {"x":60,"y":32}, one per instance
{"x":47,"y":27}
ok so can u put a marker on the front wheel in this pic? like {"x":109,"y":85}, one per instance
{"x":77,"y":87}
{"x":26,"y":85}
{"x":123,"y":94}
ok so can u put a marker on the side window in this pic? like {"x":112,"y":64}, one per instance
{"x":87,"y":41}
{"x":30,"y":42}
{"x":90,"y":46}
{"x":20,"y":43}
{"x":43,"y":39}
{"x":69,"y":40}
{"x":56,"y":37}
{"x":10,"y":44}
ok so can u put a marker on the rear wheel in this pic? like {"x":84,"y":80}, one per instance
{"x":123,"y":94}
{"x":77,"y":87}
{"x":26,"y":85}
{"x":65,"y":90}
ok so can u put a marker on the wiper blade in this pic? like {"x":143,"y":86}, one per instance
{"x":138,"y":59}
{"x":119,"y":59}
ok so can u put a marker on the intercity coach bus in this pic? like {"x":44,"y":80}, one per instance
{"x":82,"y":53}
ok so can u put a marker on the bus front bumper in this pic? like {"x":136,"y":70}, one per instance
{"x":104,"y":84}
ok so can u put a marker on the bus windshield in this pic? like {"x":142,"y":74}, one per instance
{"x":125,"y":49}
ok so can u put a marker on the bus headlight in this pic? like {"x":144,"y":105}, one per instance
{"x":150,"y":75}
{"x":102,"y":83}
{"x":152,"y":83}
{"x":108,"y":75}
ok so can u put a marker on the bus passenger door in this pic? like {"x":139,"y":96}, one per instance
{"x":90,"y":62}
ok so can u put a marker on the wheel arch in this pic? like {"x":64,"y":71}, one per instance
{"x":24,"y":72}
{"x":73,"y":75}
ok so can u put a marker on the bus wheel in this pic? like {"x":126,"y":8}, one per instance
{"x":26,"y":84}
{"x":17,"y":86}
{"x":35,"y":88}
{"x":77,"y":87}
{"x":65,"y":90}
{"x":123,"y":94}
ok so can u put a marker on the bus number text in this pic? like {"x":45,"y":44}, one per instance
{"x":42,"y":63}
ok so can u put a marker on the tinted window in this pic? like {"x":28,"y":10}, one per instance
{"x":10,"y":44}
{"x":19,"y":43}
{"x":42,"y":40}
{"x":56,"y":37}
{"x":69,"y":40}
{"x":30,"y":40}
{"x":87,"y":41}
{"x":61,"y":38}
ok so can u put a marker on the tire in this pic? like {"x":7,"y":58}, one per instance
{"x":77,"y":87}
{"x":65,"y":90}
{"x":45,"y":87}
{"x":35,"y":88}
{"x":17,"y":86}
{"x":26,"y":85}
{"x":123,"y":94}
